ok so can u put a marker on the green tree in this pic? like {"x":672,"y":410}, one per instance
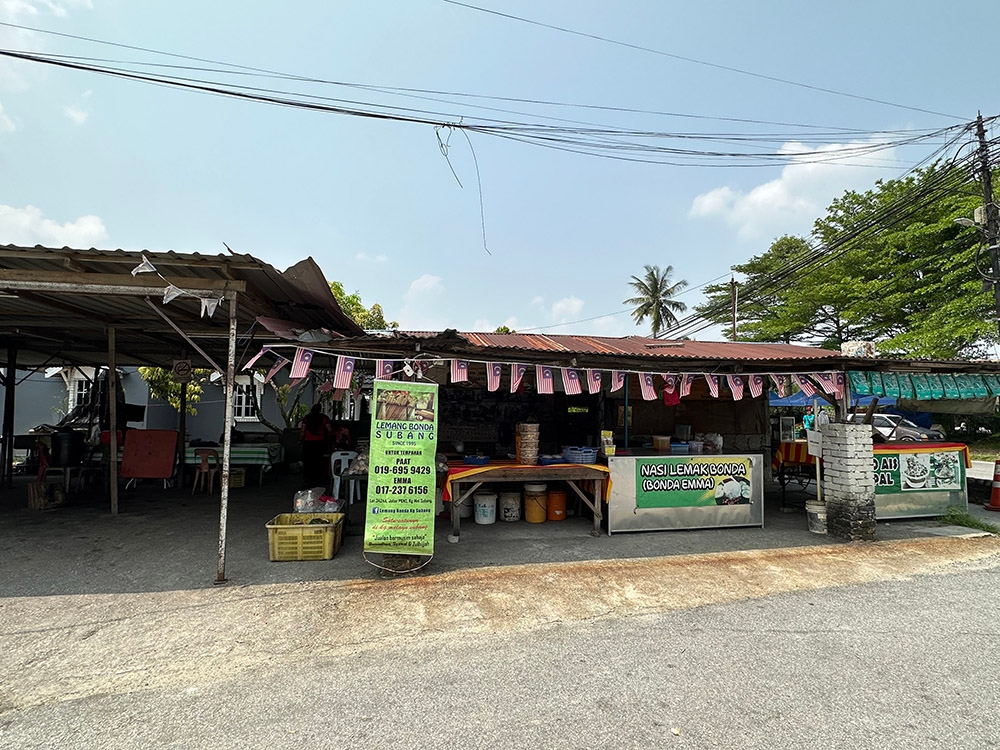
{"x":887,"y":265}
{"x":370,"y":318}
{"x":162,"y":385}
{"x":654,"y":298}
{"x":504,"y":329}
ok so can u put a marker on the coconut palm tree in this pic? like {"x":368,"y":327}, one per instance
{"x":654,"y":298}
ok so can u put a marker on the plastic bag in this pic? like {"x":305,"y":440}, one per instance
{"x":308,"y":501}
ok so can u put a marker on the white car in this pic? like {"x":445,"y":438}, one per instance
{"x":895,"y":427}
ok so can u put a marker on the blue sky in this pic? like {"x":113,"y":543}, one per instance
{"x":87,"y":160}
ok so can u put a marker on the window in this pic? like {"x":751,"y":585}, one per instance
{"x":243,"y":408}
{"x":80,"y":391}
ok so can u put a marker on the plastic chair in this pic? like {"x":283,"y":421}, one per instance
{"x":340,"y":461}
{"x":206,"y":471}
{"x":65,"y":474}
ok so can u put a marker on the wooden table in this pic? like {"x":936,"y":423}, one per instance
{"x":463,"y":480}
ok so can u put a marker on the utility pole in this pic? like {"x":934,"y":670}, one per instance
{"x":734,"y":294}
{"x":992,"y":227}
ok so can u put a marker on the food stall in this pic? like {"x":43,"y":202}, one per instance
{"x":655,"y":491}
{"x":919,"y":479}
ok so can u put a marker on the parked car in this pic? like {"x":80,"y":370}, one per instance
{"x":895,"y":427}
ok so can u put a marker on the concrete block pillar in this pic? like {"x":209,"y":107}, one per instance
{"x":849,"y":481}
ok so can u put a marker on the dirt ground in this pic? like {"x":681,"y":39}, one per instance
{"x":95,"y":604}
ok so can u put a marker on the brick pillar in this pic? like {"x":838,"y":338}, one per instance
{"x":849,"y":486}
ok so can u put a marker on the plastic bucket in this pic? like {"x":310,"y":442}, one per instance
{"x":510,"y":506}
{"x":486,"y":507}
{"x":465,"y":508}
{"x":535,"y":503}
{"x":556,"y":505}
{"x":816,"y":516}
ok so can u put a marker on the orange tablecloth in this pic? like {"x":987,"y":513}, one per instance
{"x":796,"y":452}
{"x":907,"y":447}
{"x":459,"y":472}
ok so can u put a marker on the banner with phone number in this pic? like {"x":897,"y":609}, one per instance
{"x":401,"y":478}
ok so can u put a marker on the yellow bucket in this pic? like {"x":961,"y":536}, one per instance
{"x":535,"y":503}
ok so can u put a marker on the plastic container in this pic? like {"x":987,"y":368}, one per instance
{"x":661,"y":442}
{"x":510,"y":506}
{"x":293,"y":536}
{"x":465,"y":508}
{"x":696,"y":446}
{"x":556,"y":505}
{"x":237,"y":477}
{"x":486,"y":507}
{"x":816,"y":516}
{"x":680,"y":448}
{"x":535,"y":503}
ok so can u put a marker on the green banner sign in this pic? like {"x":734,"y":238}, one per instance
{"x":923,"y":471}
{"x":401,"y":476}
{"x":860,"y":384}
{"x":682,"y":482}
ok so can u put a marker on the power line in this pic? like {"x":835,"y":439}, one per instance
{"x":695,"y":61}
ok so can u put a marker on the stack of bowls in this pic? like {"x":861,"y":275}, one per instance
{"x":527,"y":443}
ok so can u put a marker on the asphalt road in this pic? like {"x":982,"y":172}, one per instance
{"x":901,"y":661}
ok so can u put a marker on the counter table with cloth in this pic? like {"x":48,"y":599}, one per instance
{"x":263,"y":455}
{"x":791,"y":462}
{"x":463,"y":480}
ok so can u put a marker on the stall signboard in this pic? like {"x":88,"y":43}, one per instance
{"x":692,"y":481}
{"x":401,"y":475}
{"x":919,"y":471}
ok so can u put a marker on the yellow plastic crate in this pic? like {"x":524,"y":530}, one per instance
{"x":237,"y":477}
{"x":291,"y":536}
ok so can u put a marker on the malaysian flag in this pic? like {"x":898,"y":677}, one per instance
{"x":516,"y":374}
{"x":338,"y":394}
{"x":384,"y":368}
{"x":713,"y":384}
{"x":543,"y":379}
{"x":301,"y":363}
{"x":342,"y":375}
{"x":593,"y":381}
{"x":571,"y":381}
{"x":779,"y":383}
{"x":282,"y":361}
{"x":493,"y":370}
{"x":669,"y":383}
{"x":826,"y":381}
{"x":646,"y":384}
{"x":735,"y":386}
{"x":840,"y":383}
{"x":617,"y":380}
{"x":687,"y":380}
{"x":254,"y":358}
{"x":459,"y":371}
{"x":325,"y":387}
{"x":756,"y":384}
{"x":803,"y":382}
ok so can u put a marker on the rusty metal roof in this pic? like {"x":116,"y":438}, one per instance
{"x":51,"y":312}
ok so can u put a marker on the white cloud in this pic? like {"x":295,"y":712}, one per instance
{"x":566,"y":309}
{"x":28,"y":226}
{"x":484,"y":325}
{"x":15,"y":74}
{"x":76,"y":114}
{"x":537,"y":301}
{"x":792,"y":202}
{"x":424,"y":305}
{"x":366,"y":258}
{"x":6,"y":124}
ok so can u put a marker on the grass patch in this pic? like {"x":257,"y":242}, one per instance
{"x":959,"y":516}
{"x":985,"y":450}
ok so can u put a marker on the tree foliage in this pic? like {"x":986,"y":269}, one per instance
{"x":504,"y":329}
{"x":163,"y":385}
{"x":891,"y":266}
{"x":654,"y":298}
{"x":370,"y":318}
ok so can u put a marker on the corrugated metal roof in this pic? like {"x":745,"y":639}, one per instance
{"x":70,"y":324}
{"x":637,"y":346}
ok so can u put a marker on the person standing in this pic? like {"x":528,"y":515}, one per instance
{"x":316,"y":431}
{"x":809,"y":419}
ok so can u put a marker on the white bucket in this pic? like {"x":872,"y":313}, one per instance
{"x":465,"y":508}
{"x":816,"y":516}
{"x":486,"y":507}
{"x":510,"y":506}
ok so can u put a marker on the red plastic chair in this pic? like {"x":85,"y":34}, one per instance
{"x":206,"y":471}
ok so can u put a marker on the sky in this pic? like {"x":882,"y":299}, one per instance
{"x":92,"y":161}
